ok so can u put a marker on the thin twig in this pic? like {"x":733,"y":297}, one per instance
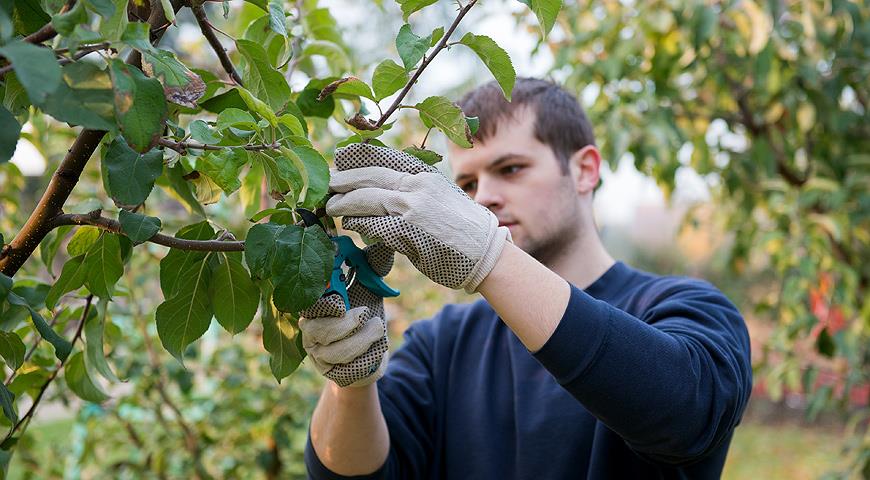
{"x":27,"y":416}
{"x":180,"y":147}
{"x":160,"y":239}
{"x":426,"y":61}
{"x":219,"y":50}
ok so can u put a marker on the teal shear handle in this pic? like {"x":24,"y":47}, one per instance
{"x":355,"y":258}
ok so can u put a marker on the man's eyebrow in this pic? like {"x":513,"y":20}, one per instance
{"x":493,"y":164}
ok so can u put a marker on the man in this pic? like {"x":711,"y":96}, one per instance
{"x":573,"y":365}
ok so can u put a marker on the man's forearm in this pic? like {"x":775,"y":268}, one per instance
{"x":348,"y":430}
{"x":528,"y":296}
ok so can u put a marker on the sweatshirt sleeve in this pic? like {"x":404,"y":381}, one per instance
{"x":408,"y":405}
{"x":673,"y":384}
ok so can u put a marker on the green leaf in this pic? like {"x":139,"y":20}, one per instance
{"x":301,"y":268}
{"x":546,"y":11}
{"x":495,"y":58}
{"x":282,"y":174}
{"x":178,"y":261}
{"x":94,"y":352}
{"x":223,"y":167}
{"x":103,"y":8}
{"x":49,"y":246}
{"x":79,"y":381}
{"x":138,"y":227}
{"x":27,"y":16}
{"x":229,"y":99}
{"x":7,"y":401}
{"x":411,"y":6}
{"x":435,"y":36}
{"x":389,"y":78}
{"x":61,"y":346}
{"x":315,"y":176}
{"x":293,"y":124}
{"x":103,"y":265}
{"x":335,"y":56}
{"x":234,"y":296}
{"x":140,"y":106}
{"x":12,"y":349}
{"x":36,"y":67}
{"x":260,"y":248}
{"x":205,"y":189}
{"x":113,"y":27}
{"x":82,"y":241}
{"x":312,"y":107}
{"x":10,"y":130}
{"x":236,"y":118}
{"x":185,"y":316}
{"x":427,"y":156}
{"x":321,"y":25}
{"x":261,"y":78}
{"x":473,"y":124}
{"x":5,"y":286}
{"x":131,"y":174}
{"x":175,"y":184}
{"x":72,"y":277}
{"x":276,"y":17}
{"x":203,"y":133}
{"x":281,"y":337}
{"x":66,"y":23}
{"x":84,"y":98}
{"x":180,"y":85}
{"x":411,"y":47}
{"x":258,"y":106}
{"x":348,"y":87}
{"x":445,"y":115}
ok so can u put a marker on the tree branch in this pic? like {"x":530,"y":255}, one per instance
{"x":426,"y":61}
{"x":27,"y":416}
{"x":219,"y":50}
{"x":159,"y":238}
{"x":65,"y":177}
{"x":47,"y":32}
{"x":180,"y":147}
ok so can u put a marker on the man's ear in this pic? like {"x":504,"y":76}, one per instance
{"x":584,"y":167}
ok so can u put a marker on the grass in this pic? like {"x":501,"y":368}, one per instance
{"x":781,"y":451}
{"x":758,"y":450}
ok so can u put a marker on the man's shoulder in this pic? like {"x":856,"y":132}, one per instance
{"x":651,"y":288}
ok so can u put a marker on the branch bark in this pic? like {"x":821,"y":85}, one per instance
{"x":65,"y":177}
{"x":160,"y":239}
{"x":181,"y":147}
{"x":219,"y":50}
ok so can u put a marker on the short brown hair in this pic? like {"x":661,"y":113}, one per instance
{"x":563,"y":126}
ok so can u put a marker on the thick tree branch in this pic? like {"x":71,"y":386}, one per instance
{"x":65,"y":178}
{"x":160,"y":239}
{"x":29,"y":415}
{"x":208,"y":32}
{"x":426,"y":61}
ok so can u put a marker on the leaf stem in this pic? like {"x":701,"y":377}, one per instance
{"x":180,"y":147}
{"x":426,"y":61}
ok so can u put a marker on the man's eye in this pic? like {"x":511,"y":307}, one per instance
{"x":511,"y":169}
{"x":468,"y":187}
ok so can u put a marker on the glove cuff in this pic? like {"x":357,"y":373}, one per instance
{"x":500,"y":236}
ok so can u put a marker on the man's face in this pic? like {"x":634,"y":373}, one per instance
{"x":520,"y":180}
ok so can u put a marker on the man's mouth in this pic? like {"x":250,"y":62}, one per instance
{"x":506,"y":224}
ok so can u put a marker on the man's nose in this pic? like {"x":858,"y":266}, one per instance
{"x":488,"y":195}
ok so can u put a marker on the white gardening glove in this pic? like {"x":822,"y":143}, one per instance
{"x":350,"y":347}
{"x":413,"y":208}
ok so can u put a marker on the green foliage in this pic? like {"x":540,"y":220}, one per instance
{"x":220,"y":153}
{"x":769,"y":103}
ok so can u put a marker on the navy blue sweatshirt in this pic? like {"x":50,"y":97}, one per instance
{"x":644,"y":377}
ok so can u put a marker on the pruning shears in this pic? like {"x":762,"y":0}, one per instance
{"x":350,"y":265}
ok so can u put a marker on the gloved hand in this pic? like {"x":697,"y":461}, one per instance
{"x":414,"y":209}
{"x":350,"y":347}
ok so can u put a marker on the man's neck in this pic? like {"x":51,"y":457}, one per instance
{"x":584,"y":261}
